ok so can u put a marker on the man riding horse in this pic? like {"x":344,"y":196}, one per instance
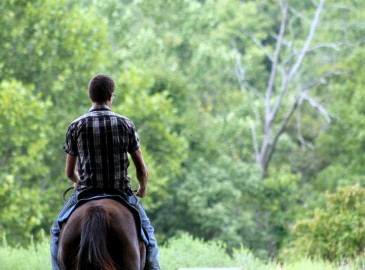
{"x":97,"y":147}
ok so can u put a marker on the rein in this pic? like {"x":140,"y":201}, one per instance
{"x":65,"y":192}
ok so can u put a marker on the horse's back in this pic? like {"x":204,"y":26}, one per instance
{"x":107,"y":228}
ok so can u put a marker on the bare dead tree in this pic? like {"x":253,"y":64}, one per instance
{"x":285,"y":69}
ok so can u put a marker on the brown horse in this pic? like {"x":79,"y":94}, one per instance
{"x":101,"y":234}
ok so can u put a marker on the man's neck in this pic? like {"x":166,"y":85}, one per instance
{"x":106,"y":103}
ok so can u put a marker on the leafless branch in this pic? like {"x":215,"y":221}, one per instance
{"x":275,"y":62}
{"x":295,"y":53}
{"x":284,"y":42}
{"x":344,"y":7}
{"x":307,"y":42}
{"x":286,"y":80}
{"x":303,"y":95}
{"x":312,"y":101}
{"x":283,"y":125}
{"x":255,"y":143}
{"x":241,"y":76}
{"x":262,"y":47}
{"x":333,"y":46}
{"x":303,"y":142}
{"x":267,"y":129}
{"x":299,"y":15}
{"x":319,"y":107}
{"x":322,"y":80}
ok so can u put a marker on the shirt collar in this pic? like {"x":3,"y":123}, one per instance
{"x":99,"y":108}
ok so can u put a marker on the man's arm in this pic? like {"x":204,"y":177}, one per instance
{"x":70,"y":169}
{"x":141,"y":172}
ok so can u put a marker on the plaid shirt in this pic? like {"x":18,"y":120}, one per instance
{"x":101,"y":139}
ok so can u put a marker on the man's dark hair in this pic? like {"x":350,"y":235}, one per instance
{"x":101,"y":87}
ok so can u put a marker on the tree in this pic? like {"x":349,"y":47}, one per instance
{"x":156,"y":119}
{"x":24,"y":127}
{"x":24,"y":144}
{"x":46,"y":60}
{"x":342,"y":145}
{"x":54,"y":52}
{"x":286,"y":89}
{"x":209,"y":200}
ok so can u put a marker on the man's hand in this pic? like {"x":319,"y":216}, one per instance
{"x":75,"y":185}
{"x":141,"y":191}
{"x":141,"y":173}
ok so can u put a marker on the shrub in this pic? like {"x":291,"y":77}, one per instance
{"x":185,"y":252}
{"x":334,"y":233}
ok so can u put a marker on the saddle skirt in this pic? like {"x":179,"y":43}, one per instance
{"x":117,"y":197}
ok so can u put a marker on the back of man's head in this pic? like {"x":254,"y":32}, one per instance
{"x":101,"y":88}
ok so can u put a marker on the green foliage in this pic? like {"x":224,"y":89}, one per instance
{"x":337,"y":232}
{"x":21,"y":211}
{"x":174,"y":64}
{"x":24,"y":127}
{"x":343,"y":143}
{"x":209,"y":198}
{"x":46,"y":61}
{"x":47,"y":48}
{"x":156,"y":119}
{"x":276,"y":203}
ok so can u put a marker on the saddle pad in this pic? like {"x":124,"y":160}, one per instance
{"x":143,"y":235}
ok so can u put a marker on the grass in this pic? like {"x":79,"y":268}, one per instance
{"x":33,"y":257}
{"x":181,"y":252}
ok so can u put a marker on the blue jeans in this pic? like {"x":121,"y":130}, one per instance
{"x":152,"y":249}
